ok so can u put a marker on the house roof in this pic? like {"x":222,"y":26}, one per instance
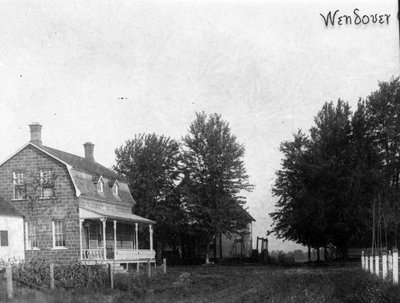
{"x":89,"y":213}
{"x":86,"y":182}
{"x":84,"y":173}
{"x":88,"y":189}
{"x":6,"y":209}
{"x":83,"y":164}
{"x":245,"y":213}
{"x":249,"y":216}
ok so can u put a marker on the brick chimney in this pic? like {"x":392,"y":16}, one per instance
{"x":36,"y":133}
{"x":89,"y":148}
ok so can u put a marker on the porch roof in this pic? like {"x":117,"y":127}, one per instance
{"x":88,"y":213}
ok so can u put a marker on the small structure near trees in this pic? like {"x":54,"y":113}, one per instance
{"x":262,"y":248}
{"x":11,"y":232}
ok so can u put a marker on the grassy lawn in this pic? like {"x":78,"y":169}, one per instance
{"x":232,"y":284}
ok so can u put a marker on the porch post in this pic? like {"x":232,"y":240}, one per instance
{"x":115,"y":239}
{"x":136,"y":236}
{"x":80,"y":237}
{"x":133,"y":239}
{"x":103,"y":221}
{"x":151,"y":236}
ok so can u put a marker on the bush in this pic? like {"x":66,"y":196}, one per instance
{"x":36,"y":274}
{"x":137,"y":282}
{"x":281,"y":259}
{"x":76,"y":276}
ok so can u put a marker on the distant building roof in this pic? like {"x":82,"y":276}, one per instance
{"x":250,"y":216}
{"x":6,"y":209}
{"x":245,"y":213}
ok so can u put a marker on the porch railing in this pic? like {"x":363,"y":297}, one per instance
{"x":93,"y":254}
{"x":133,"y":254}
{"x":120,"y":254}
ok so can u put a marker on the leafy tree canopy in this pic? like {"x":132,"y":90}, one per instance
{"x":215,"y":176}
{"x":151,"y":164}
{"x":340,"y":182}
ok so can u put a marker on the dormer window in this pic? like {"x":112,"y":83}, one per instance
{"x":98,"y":180}
{"x":115,"y":189}
{"x":100,"y":185}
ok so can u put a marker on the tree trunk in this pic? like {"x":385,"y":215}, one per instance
{"x":220,"y":245}
{"x":373,"y":228}
{"x":309,"y":253}
{"x":192,"y":250}
{"x":318,"y":256}
{"x":215,"y":247}
{"x":325,"y":253}
{"x":386,"y":236}
{"x":344,"y":249}
{"x":162,"y":248}
{"x":207,"y":252}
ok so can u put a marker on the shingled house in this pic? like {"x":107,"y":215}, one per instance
{"x":74,"y":208}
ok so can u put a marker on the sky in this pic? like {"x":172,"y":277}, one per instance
{"x":104,"y":71}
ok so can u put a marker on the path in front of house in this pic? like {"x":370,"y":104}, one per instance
{"x":258,"y":284}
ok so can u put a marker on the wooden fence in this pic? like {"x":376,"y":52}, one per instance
{"x":385,"y":266}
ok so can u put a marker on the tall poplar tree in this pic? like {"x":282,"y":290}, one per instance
{"x":382,"y":111}
{"x":349,"y":172}
{"x":315,"y":184}
{"x":298,"y":216}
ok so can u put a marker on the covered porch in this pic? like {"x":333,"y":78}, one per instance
{"x":114,"y":237}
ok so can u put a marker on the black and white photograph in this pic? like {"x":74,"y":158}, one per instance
{"x":199,"y":151}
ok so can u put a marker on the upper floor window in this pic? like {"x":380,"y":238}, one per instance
{"x":46,"y":183}
{"x":19,"y":185}
{"x":58,"y":234}
{"x":31,"y":235}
